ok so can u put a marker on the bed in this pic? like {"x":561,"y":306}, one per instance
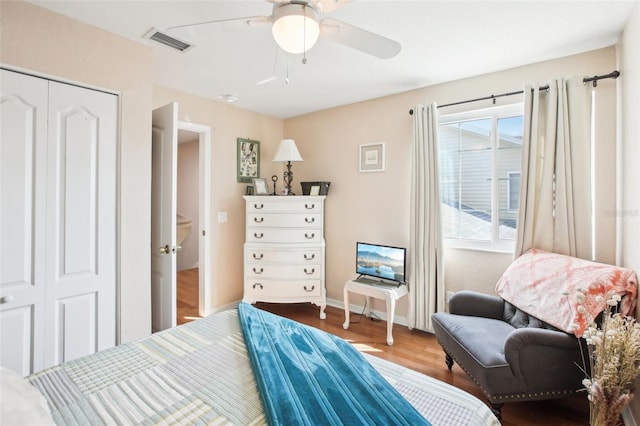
{"x":201,"y":373}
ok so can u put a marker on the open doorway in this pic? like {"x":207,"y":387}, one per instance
{"x":192,"y":211}
{"x":187,"y":225}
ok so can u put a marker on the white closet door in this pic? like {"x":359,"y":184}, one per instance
{"x":23,"y":151}
{"x":81,"y":223}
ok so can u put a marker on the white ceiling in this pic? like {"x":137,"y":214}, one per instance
{"x":441,"y":41}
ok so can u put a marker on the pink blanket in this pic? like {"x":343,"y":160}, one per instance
{"x":545,"y":285}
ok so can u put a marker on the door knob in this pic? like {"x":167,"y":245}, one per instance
{"x":6,"y":299}
{"x":164,"y":249}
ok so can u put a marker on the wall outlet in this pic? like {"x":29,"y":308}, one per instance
{"x":450,"y":295}
{"x":222,"y":217}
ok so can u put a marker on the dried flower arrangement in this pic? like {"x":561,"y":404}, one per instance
{"x":614,"y":359}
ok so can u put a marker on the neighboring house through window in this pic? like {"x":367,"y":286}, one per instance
{"x":480,"y":163}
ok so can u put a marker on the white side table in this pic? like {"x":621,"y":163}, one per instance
{"x":390,"y":293}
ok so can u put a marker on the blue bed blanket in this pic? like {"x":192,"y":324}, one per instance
{"x":306,"y":376}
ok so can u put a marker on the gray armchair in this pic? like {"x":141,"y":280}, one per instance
{"x":509,"y":354}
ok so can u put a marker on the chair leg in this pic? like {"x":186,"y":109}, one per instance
{"x":448,"y":360}
{"x":496,"y":409}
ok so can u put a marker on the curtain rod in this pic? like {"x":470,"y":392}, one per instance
{"x":594,"y":80}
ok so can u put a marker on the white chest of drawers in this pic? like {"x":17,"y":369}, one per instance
{"x":284,"y":250}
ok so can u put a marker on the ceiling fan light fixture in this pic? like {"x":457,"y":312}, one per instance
{"x":295,"y":27}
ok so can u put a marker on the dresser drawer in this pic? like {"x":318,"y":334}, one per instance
{"x":283,"y":235}
{"x":282,"y":290}
{"x":307,"y":220}
{"x":289,"y":205}
{"x":255,"y":270}
{"x":265,"y":255}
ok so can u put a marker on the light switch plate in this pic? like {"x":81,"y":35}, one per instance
{"x":222,"y":217}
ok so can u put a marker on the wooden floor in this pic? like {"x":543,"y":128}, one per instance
{"x":187,"y":295}
{"x":416,"y":350}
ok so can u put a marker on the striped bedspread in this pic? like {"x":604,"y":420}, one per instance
{"x":200,"y":373}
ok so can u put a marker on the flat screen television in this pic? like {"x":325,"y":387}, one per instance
{"x":381,"y":261}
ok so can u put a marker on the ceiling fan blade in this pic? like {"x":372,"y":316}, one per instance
{"x":359,"y":39}
{"x":266,"y":80}
{"x":249,"y":20}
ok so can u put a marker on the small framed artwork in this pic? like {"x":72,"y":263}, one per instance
{"x":372,"y":157}
{"x":260,"y":186}
{"x":248,"y":160}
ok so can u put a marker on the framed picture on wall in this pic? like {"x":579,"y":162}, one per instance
{"x":372,"y":157}
{"x":248,"y":154}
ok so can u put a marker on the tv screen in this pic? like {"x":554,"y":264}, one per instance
{"x":380,"y":261}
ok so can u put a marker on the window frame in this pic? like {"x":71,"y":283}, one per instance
{"x":494,"y":113}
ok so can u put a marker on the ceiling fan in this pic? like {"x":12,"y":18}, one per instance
{"x":296,"y":25}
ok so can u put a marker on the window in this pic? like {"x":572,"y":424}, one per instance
{"x":480,"y":154}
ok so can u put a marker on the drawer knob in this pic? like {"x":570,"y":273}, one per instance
{"x":313,"y":270}
{"x":258,"y":272}
{"x":258,"y":206}
{"x":258,"y":256}
{"x":309,"y":237}
{"x":256,"y":235}
{"x":309,"y":290}
{"x":309,"y":206}
{"x":258,"y":219}
{"x":257,"y":285}
{"x":307,"y":257}
{"x":309,"y":220}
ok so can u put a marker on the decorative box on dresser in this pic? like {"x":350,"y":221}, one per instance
{"x":284,"y":250}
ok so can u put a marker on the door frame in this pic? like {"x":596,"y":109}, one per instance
{"x":204,"y":212}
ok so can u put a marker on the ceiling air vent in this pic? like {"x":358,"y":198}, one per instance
{"x":167,"y":40}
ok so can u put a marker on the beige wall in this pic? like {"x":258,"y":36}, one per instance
{"x":52,"y":45}
{"x":227,"y":124}
{"x":628,"y":207}
{"x":374,"y":207}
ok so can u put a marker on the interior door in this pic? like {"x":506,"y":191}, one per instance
{"x":163,"y":216}
{"x":23,"y":150}
{"x":58,"y":221}
{"x":80,"y":258}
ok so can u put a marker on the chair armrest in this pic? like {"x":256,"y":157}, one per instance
{"x":542,"y":355}
{"x":471,"y":303}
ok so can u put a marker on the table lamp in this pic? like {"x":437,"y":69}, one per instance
{"x":287,"y":152}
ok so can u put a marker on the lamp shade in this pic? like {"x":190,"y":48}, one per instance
{"x":295,"y":27}
{"x":287,"y":151}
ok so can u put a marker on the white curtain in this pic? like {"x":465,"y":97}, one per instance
{"x":555,"y":193}
{"x":426,"y":273}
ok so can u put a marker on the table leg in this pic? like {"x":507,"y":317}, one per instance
{"x":391,"y":307}
{"x":347,"y":314}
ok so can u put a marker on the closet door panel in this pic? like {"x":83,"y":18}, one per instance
{"x":23,"y":121}
{"x":16,"y":328}
{"x":76,"y":318}
{"x":77,"y":208}
{"x":81,"y":225}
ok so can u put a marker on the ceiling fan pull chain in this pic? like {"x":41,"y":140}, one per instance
{"x":304,"y":35}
